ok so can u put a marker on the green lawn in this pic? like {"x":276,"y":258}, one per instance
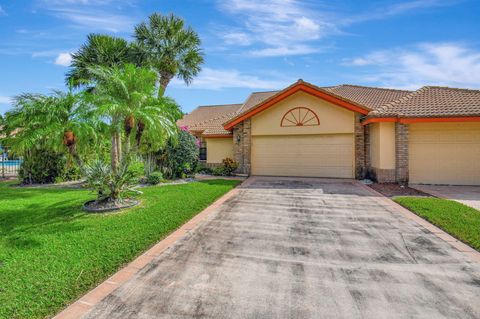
{"x":458,"y":220}
{"x":51,"y":252}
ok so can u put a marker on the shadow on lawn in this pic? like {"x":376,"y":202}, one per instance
{"x":37,"y":211}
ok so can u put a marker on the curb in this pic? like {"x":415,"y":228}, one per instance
{"x":80,"y":307}
{"x":395,"y":207}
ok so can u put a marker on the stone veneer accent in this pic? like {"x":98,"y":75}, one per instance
{"x":242,"y":148}
{"x":360,"y":158}
{"x":368,"y":158}
{"x":382,"y":175}
{"x":401,"y":153}
{"x":210,"y":165}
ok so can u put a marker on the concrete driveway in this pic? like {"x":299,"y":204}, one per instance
{"x":303,"y":248}
{"x":467,"y":195}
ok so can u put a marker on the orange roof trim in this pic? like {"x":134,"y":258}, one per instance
{"x":422,"y":120}
{"x":298,"y":86}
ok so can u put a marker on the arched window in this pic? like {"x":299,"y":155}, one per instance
{"x":300,"y":116}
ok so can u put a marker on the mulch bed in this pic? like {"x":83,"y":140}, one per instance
{"x":107,"y":206}
{"x":392,"y":190}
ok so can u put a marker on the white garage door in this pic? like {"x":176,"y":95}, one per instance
{"x":444,"y":153}
{"x":304,"y":155}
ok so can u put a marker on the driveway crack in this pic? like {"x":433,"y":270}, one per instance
{"x":408,"y":249}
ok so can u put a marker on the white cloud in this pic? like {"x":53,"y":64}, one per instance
{"x":64,"y":59}
{"x":95,"y":20}
{"x":281,"y":27}
{"x":285,"y":51}
{"x":78,"y":2}
{"x":5,"y":99}
{"x":2,"y":11}
{"x":449,"y":64}
{"x":93,"y":15}
{"x":295,"y":27}
{"x":237,"y":38}
{"x":395,"y":9}
{"x":214,"y":79}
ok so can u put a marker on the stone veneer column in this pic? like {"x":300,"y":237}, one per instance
{"x":368,"y":158}
{"x":359,"y":148}
{"x":242,"y":146}
{"x":401,"y":153}
{"x":238,"y":146}
{"x":247,"y":146}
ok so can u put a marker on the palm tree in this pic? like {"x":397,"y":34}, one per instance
{"x":169,"y":48}
{"x":54,"y":121}
{"x":100,"y":50}
{"x":125,"y":96}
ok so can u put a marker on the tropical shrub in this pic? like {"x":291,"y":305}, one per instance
{"x":179,"y":158}
{"x":218,"y":171}
{"x":229,"y":166}
{"x":154,"y":178}
{"x":110,"y":185}
{"x":41,"y":166}
{"x":137,"y":169}
{"x":70,"y":172}
{"x":203,"y":169}
{"x":226,"y":169}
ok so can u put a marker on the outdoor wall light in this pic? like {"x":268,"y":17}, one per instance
{"x":238,"y":138}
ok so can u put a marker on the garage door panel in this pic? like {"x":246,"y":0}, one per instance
{"x":305,"y":155}
{"x":445,"y":153}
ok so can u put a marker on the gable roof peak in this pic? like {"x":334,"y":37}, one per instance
{"x":300,"y":85}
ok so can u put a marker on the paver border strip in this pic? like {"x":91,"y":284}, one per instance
{"x":473,"y":254}
{"x":82,"y":305}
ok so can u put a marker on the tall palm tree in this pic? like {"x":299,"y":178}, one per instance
{"x":125,"y":96}
{"x":55,"y":121}
{"x":99,"y":50}
{"x":170,"y":48}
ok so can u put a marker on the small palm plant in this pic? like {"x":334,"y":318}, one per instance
{"x":60,"y":120}
{"x":125,"y":98}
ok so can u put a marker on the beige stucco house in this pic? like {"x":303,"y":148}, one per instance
{"x":429,"y":136}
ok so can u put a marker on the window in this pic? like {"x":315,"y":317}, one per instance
{"x":203,"y":149}
{"x":300,"y":116}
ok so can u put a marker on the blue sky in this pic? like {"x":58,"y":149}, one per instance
{"x":254,"y":45}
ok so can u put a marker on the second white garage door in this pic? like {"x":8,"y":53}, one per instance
{"x":327,"y":155}
{"x":445,"y":153}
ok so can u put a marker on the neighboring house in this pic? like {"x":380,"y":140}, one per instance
{"x":430,"y":136}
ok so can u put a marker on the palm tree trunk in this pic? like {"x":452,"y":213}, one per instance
{"x":114,"y":153}
{"x":165,"y":79}
{"x":70,"y":141}
{"x":119,"y":147}
{"x":72,"y":149}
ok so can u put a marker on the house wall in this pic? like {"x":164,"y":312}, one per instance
{"x":219,"y":149}
{"x":333,"y":119}
{"x":382,"y":152}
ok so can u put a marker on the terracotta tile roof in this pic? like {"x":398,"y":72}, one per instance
{"x":214,"y":126}
{"x":433,"y":101}
{"x":256,"y":98}
{"x":371,"y":97}
{"x":207,"y":112}
{"x":428,"y":101}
